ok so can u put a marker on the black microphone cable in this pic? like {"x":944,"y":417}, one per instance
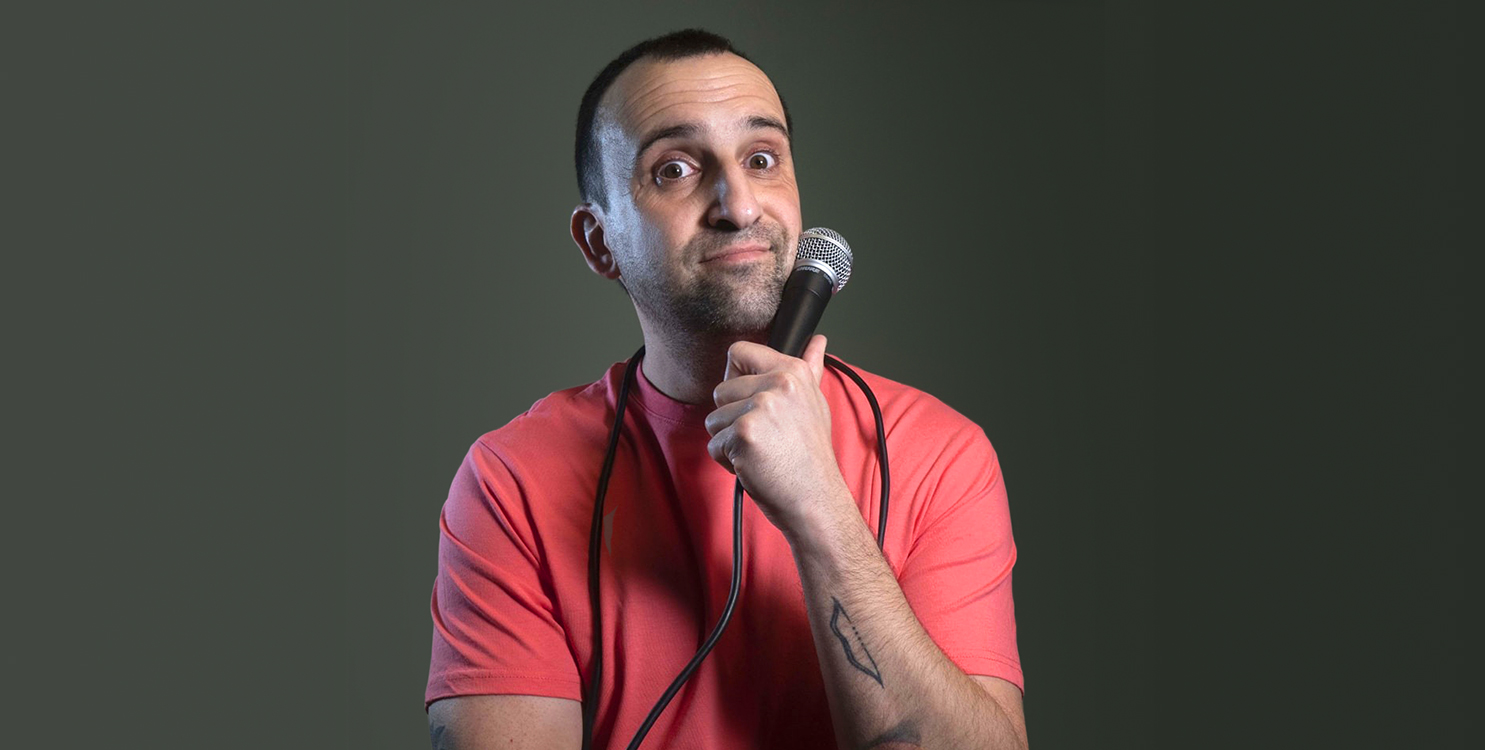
{"x":595,"y":670}
{"x":591,"y":692}
{"x":876,"y":413}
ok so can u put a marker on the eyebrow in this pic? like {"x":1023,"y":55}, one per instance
{"x":689,"y":129}
{"x":757,"y":122}
{"x":684,"y":130}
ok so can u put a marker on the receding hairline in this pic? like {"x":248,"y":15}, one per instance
{"x":605,"y":113}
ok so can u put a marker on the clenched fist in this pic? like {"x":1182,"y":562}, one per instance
{"x":772,"y":429}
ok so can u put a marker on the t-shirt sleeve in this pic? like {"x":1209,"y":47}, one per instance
{"x":957,"y":575}
{"x":494,"y":631}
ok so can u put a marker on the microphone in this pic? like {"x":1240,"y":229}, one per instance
{"x":822,"y":265}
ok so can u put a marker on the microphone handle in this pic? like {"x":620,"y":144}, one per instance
{"x":803,"y":302}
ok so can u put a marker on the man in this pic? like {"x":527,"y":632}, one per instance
{"x":690,"y":201}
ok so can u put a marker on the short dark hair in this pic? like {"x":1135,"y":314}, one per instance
{"x":676,"y":45}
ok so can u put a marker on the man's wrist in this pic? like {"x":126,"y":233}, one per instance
{"x":824,"y":520}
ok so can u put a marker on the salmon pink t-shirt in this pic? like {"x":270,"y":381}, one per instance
{"x":510,"y":601}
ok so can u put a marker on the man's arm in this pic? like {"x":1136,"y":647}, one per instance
{"x":889,"y":685}
{"x":507,"y":722}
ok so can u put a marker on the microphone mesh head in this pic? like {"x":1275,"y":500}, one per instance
{"x":828,"y":247}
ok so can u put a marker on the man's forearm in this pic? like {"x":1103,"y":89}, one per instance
{"x":889,"y":685}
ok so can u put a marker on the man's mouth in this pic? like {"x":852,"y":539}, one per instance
{"x":739,"y":253}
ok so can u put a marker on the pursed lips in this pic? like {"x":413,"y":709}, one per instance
{"x":737,"y":253}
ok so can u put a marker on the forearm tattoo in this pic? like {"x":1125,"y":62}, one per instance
{"x":851,"y":643}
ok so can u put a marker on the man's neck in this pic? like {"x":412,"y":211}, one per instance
{"x":688,"y":369}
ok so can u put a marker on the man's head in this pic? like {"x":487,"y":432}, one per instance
{"x":687,"y":177}
{"x":673,"y":46}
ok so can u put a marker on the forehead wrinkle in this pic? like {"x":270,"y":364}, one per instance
{"x":637,"y":110}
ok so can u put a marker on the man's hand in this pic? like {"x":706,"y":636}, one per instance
{"x":772,"y":429}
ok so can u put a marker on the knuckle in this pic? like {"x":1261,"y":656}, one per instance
{"x":743,"y":429}
{"x":788,"y":382}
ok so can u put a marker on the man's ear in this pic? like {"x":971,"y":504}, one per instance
{"x":587,"y":232}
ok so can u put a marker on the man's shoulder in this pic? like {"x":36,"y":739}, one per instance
{"x":563,"y":421}
{"x":907,"y":407}
{"x":933,"y":446}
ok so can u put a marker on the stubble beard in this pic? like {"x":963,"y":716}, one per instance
{"x":736,"y":303}
{"x":727,"y":303}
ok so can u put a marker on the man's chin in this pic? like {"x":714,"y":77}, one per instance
{"x":717,"y":309}
{"x":755,"y":314}
{"x":730,"y":322}
{"x":742,"y":325}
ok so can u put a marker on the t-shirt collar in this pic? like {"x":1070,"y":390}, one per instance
{"x":654,"y":401}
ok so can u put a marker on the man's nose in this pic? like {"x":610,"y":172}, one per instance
{"x":734,"y":206}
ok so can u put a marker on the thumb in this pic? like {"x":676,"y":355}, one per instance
{"x":814,"y":356}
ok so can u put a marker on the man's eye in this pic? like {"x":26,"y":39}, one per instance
{"x":762,"y":160}
{"x":674,"y":170}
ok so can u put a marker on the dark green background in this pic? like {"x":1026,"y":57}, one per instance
{"x":1196,"y":272}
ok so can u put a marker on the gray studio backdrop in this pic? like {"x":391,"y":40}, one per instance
{"x":1196,"y":268}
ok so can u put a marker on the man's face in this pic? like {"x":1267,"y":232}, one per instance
{"x":703,"y":211}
